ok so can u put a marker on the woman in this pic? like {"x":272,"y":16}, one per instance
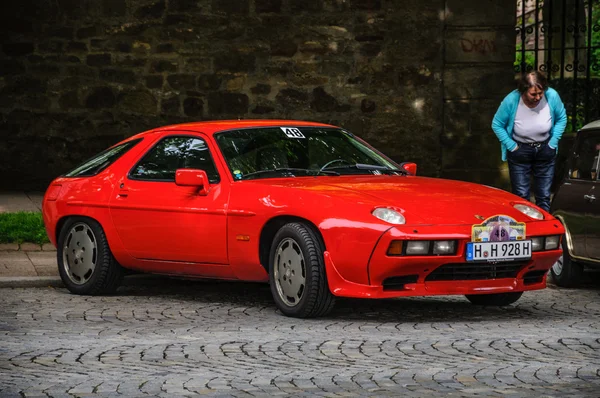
{"x":529,"y":124}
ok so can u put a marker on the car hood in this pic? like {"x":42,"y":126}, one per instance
{"x":423,"y":200}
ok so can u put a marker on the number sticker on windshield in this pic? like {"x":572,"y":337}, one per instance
{"x":292,"y":132}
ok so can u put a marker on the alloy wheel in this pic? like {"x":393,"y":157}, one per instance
{"x":80,"y":253}
{"x":290,"y":272}
{"x":557,"y":268}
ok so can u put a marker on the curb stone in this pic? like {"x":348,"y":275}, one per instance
{"x":48,"y":247}
{"x":9,"y":247}
{"x":30,"y":281}
{"x":27,"y":246}
{"x":56,"y":282}
{"x":30,"y":247}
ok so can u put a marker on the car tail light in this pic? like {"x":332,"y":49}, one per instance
{"x":53,"y":192}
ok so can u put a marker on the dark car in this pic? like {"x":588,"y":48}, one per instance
{"x":577,"y":204}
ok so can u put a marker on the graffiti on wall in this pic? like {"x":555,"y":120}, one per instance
{"x":479,"y":46}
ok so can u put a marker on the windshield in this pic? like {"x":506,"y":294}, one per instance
{"x":268,"y":152}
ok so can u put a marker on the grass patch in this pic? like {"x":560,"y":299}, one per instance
{"x":23,"y":226}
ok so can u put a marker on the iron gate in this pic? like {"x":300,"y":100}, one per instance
{"x":562,"y":39}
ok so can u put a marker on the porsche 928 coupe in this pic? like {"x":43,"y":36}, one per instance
{"x":310,"y":208}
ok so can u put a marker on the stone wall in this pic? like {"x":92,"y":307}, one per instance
{"x":418,"y":79}
{"x":478,"y":72}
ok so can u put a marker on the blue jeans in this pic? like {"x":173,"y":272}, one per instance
{"x":537,"y":160}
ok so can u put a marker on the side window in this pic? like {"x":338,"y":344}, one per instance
{"x":172,"y":153}
{"x":102,"y":160}
{"x":587,"y":153}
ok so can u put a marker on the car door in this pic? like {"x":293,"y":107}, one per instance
{"x":568,"y":203}
{"x":159,"y":220}
{"x":576,"y":201}
{"x":592,"y":197}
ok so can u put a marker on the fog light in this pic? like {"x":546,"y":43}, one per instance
{"x":417,"y":247}
{"x":537,"y":243}
{"x":552,"y":242}
{"x":395,"y":248}
{"x":443,"y":247}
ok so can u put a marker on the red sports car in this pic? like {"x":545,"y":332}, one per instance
{"x":308,"y":207}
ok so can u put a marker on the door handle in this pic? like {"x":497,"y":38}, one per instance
{"x":589,"y":198}
{"x":123,"y":192}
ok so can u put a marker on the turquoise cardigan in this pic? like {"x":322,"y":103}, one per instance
{"x":504,"y":119}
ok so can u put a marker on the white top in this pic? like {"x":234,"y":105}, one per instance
{"x":532,"y":124}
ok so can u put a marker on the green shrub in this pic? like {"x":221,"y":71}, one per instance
{"x":22,"y":227}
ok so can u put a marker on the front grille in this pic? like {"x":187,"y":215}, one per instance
{"x":534,"y":277}
{"x":475,"y":271}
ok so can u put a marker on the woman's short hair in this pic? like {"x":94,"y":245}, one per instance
{"x":532,"y":79}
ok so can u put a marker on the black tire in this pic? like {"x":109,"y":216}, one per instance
{"x":565,"y":272}
{"x":85,"y":262}
{"x":494,"y":299}
{"x":300,"y":288}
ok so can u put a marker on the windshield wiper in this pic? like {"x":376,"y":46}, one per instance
{"x":290,"y":171}
{"x":371,"y":167}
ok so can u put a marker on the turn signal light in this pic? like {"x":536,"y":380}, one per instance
{"x":395,"y":248}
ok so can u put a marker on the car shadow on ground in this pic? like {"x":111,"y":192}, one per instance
{"x":400,"y":310}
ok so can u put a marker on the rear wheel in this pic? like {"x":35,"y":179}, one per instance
{"x":85,"y":263}
{"x":297,"y":273}
{"x":565,"y":272}
{"x":494,"y":299}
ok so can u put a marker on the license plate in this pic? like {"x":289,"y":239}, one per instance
{"x":499,"y":251}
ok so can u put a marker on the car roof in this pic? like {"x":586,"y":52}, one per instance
{"x":215,"y":126}
{"x":592,"y":125}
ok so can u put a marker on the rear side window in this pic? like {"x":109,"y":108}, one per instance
{"x":102,"y":160}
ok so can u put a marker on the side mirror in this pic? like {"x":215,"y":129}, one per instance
{"x":193,"y":178}
{"x":410,"y":167}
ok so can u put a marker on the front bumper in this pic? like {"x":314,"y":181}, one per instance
{"x":398,"y":276}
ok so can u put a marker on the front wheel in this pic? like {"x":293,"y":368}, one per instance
{"x":85,"y":262}
{"x":297,"y":273}
{"x":494,"y":299}
{"x":565,"y":272}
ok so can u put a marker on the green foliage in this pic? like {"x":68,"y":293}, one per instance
{"x":595,"y":38}
{"x":595,"y":42}
{"x":22,"y":227}
{"x":529,"y":58}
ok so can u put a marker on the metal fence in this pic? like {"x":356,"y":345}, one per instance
{"x":562,"y":39}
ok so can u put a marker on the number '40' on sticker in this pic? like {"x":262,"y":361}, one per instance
{"x":292,"y":132}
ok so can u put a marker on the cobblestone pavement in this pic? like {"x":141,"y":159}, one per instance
{"x":171,"y":338}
